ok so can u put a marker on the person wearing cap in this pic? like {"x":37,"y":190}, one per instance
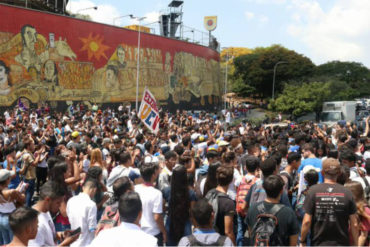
{"x":8,"y":200}
{"x":329,"y":210}
{"x":75,"y":142}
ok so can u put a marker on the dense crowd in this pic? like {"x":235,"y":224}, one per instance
{"x":100,"y":178}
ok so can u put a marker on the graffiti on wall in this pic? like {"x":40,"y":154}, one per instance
{"x":38,"y":67}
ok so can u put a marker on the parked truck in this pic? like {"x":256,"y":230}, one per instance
{"x":335,"y":111}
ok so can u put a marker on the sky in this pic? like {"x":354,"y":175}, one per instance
{"x":323,"y":30}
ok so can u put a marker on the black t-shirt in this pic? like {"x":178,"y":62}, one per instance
{"x":287,"y":220}
{"x":226,"y":207}
{"x":330,"y":206}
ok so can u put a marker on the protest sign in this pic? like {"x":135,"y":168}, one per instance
{"x":148,"y":112}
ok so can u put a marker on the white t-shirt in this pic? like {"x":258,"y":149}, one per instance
{"x":232,"y":186}
{"x":124,"y":235}
{"x":86,"y":165}
{"x":228,"y":117}
{"x":45,"y":231}
{"x":152,"y":202}
{"x":81,"y":211}
{"x":43,"y":164}
{"x":202,"y":184}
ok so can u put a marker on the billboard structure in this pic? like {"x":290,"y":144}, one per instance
{"x":48,"y":57}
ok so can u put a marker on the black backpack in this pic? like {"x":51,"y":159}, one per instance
{"x":265,"y":230}
{"x":194,"y":242}
{"x":212,"y":197}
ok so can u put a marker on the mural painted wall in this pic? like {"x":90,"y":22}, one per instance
{"x":46,"y":57}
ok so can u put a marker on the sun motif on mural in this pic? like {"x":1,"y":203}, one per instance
{"x":94,"y":46}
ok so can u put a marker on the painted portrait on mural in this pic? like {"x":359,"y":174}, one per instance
{"x":29,"y":56}
{"x":5,"y":83}
{"x":111,"y":78}
{"x":51,"y":73}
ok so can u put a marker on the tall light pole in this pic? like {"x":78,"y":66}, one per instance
{"x":119,"y":17}
{"x":226,"y":75}
{"x":139,"y":19}
{"x":273,"y":80}
{"x":95,"y":7}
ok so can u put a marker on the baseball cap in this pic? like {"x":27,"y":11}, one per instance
{"x":331,"y":166}
{"x":75,"y":134}
{"x":5,"y":174}
{"x":195,"y":136}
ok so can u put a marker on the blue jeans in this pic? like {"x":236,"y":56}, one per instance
{"x":242,"y":227}
{"x":6,"y":234}
{"x":30,"y":191}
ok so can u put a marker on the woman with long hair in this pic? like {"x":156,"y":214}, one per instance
{"x":210,"y":182}
{"x":97,"y":160}
{"x":96,"y":173}
{"x":363,"y":210}
{"x":179,"y":199}
{"x":61,"y":172}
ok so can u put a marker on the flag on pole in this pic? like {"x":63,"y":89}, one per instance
{"x":148,"y":112}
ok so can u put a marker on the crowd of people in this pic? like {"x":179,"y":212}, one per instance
{"x":100,"y":178}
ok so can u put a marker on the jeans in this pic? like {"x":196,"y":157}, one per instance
{"x":6,"y":234}
{"x":159,"y":237}
{"x":242,"y":227}
{"x":30,"y":191}
{"x":41,"y":174}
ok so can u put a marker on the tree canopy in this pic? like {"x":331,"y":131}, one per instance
{"x":304,"y":98}
{"x":256,"y":69}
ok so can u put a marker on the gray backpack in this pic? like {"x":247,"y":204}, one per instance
{"x":212,"y":197}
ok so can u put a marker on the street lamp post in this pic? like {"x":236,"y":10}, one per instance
{"x":139,"y":19}
{"x":95,"y":7}
{"x":226,"y":75}
{"x":273,"y":81}
{"x":119,"y":17}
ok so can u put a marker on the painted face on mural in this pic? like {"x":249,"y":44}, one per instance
{"x":121,"y":55}
{"x":49,"y":70}
{"x":30,"y":37}
{"x":4,"y":81}
{"x":3,"y":75}
{"x":111,"y":77}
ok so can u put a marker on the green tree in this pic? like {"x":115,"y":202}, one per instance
{"x":241,"y":88}
{"x":301,"y":99}
{"x":355,"y":75}
{"x":256,"y":69}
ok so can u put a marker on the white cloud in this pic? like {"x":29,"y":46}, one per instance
{"x":104,"y":14}
{"x":249,"y":15}
{"x":149,"y":18}
{"x":339,"y":33}
{"x":267,"y":1}
{"x":263,"y":19}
